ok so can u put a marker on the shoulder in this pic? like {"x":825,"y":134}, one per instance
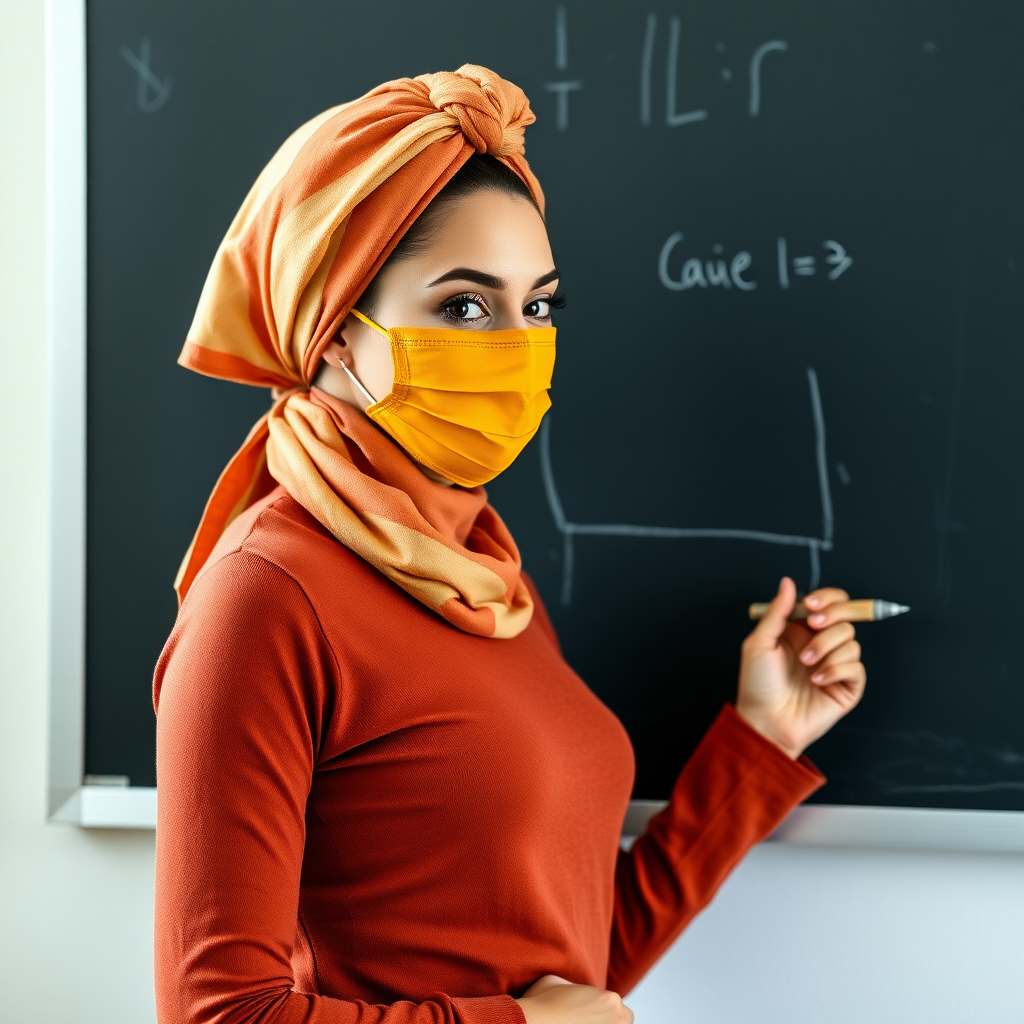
{"x":247,"y":615}
{"x":273,"y":539}
{"x":279,"y":530}
{"x":278,"y":587}
{"x":250,"y":569}
{"x":245,"y":619}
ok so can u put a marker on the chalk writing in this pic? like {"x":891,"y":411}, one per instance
{"x":754,"y":108}
{"x":838,"y":258}
{"x":703,"y":273}
{"x":700,"y":272}
{"x":570,"y":529}
{"x":677,"y":112}
{"x":561,"y":39}
{"x":646,"y":60}
{"x":150,"y":92}
{"x":672,"y":118}
{"x":675,"y":117}
{"x":563,"y":88}
{"x":806,"y":266}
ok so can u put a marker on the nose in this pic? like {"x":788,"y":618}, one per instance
{"x":510,"y":318}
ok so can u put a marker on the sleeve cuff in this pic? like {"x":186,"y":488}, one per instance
{"x":735,"y":790}
{"x":488,"y":1010}
{"x":761,"y":748}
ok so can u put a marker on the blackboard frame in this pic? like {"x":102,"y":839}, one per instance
{"x":108,"y":802}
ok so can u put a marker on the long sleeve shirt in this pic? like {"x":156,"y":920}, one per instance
{"x":367,"y":815}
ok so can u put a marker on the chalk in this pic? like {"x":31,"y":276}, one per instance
{"x":866,"y":610}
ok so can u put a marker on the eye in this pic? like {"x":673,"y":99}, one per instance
{"x":466,"y":308}
{"x":540,"y":308}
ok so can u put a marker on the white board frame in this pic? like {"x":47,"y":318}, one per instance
{"x":70,"y":799}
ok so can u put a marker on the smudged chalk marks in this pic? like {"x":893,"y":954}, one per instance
{"x":922,"y":761}
{"x":151,"y":93}
{"x":570,"y":529}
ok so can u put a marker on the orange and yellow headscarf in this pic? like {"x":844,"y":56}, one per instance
{"x":321,"y":219}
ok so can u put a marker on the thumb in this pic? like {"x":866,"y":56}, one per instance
{"x":776,"y":617}
{"x":544,"y":983}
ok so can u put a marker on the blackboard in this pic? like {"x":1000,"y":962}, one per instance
{"x":791,"y":238}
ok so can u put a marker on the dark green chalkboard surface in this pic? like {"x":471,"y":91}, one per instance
{"x":792,"y":239}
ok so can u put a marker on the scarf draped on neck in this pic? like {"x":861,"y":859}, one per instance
{"x":319,"y":222}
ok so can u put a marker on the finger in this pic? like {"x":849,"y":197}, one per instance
{"x":826,"y":642}
{"x":843,"y":654}
{"x":797,"y":635}
{"x":844,"y":682}
{"x":628,"y":1012}
{"x":544,"y":983}
{"x":840,"y":611}
{"x":823,"y":596}
{"x":776,"y":617}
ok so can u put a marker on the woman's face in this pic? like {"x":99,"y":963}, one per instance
{"x":488,"y":267}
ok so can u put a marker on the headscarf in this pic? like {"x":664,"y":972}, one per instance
{"x":317,"y":225}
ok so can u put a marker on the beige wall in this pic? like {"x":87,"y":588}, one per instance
{"x":799,"y":936}
{"x":75,"y":906}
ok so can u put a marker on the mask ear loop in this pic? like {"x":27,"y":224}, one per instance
{"x":351,"y":376}
{"x":355,"y":380}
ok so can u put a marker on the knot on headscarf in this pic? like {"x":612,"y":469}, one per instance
{"x":492,"y":113}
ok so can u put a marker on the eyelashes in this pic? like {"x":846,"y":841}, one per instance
{"x":470,"y":306}
{"x":464,"y":302}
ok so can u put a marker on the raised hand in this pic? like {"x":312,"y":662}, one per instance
{"x":797,"y":679}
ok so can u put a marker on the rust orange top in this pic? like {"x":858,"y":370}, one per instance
{"x":369,"y":815}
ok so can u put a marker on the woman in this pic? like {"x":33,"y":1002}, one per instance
{"x":383,"y":793}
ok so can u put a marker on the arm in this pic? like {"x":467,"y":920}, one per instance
{"x":746,"y":775}
{"x":243,"y":692}
{"x":733,"y":792}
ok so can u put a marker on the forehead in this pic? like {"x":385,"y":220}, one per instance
{"x":489,"y":231}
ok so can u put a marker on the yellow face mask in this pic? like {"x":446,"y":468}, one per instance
{"x":464,"y":403}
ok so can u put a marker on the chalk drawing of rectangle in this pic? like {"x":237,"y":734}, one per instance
{"x":571,"y":530}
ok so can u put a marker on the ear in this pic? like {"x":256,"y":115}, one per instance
{"x":338,"y":347}
{"x":336,"y":352}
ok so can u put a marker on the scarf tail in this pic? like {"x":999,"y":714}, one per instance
{"x":243,"y":482}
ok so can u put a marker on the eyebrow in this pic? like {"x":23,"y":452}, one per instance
{"x":487,"y":280}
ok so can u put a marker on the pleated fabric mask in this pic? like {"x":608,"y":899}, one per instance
{"x":464,"y":403}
